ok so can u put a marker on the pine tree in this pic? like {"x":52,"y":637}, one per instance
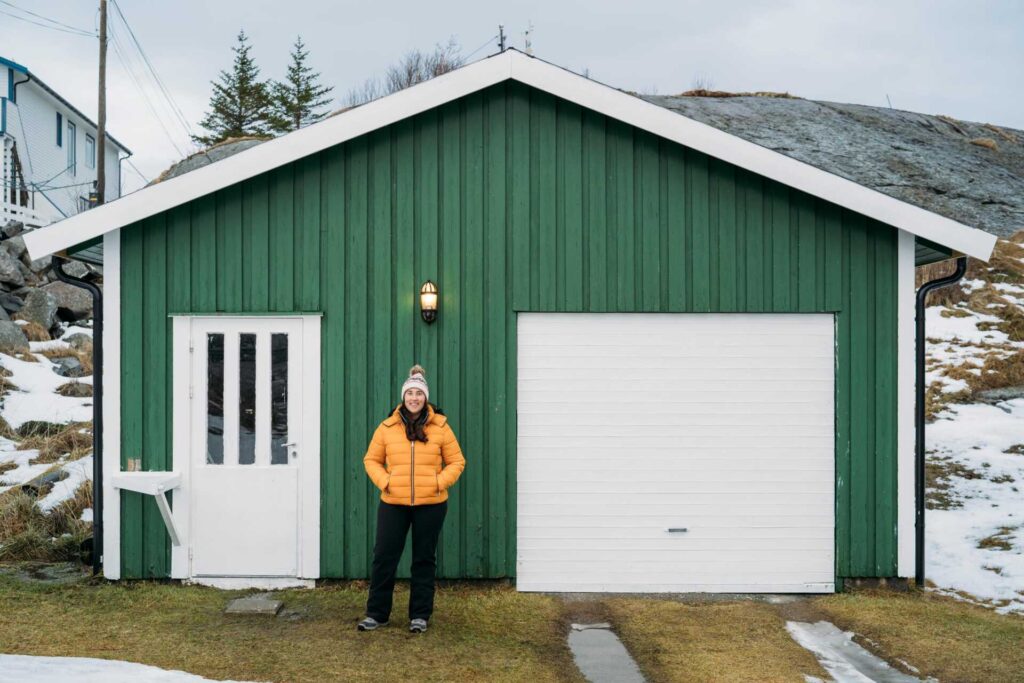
{"x":298,"y":100}
{"x":240,"y":103}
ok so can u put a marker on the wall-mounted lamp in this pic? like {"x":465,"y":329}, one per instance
{"x":428,"y":302}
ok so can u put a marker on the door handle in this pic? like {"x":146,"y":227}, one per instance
{"x":675,"y":530}
{"x":291,"y":448}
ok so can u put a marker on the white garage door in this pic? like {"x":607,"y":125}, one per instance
{"x":676,"y":452}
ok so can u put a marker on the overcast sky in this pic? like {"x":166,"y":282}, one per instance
{"x":940,"y":57}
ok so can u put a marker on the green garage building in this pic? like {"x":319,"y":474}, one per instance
{"x":675,"y":360}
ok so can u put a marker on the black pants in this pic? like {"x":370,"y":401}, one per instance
{"x":393,"y":522}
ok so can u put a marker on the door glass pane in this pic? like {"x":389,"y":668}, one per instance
{"x":215,"y":399}
{"x":278,"y":399}
{"x":247,"y":399}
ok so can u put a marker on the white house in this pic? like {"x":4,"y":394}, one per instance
{"x":49,"y":151}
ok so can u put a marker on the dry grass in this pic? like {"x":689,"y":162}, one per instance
{"x":7,"y":467}
{"x":936,"y":400}
{"x":6,"y":431}
{"x":73,"y":440}
{"x":1004,"y":134}
{"x":478,"y":633}
{"x":704,"y":92}
{"x":73,"y":388}
{"x":945,"y":638}
{"x":987,"y":143}
{"x":33,"y":330}
{"x":27,"y":533}
{"x":730,"y":641}
{"x":1000,"y":540}
{"x":938,"y":473}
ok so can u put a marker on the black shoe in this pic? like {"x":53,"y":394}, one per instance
{"x":417,"y":626}
{"x":369,"y":624}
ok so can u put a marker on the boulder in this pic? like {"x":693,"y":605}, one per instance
{"x":78,"y":340}
{"x":3,"y":314}
{"x":12,"y":228}
{"x":73,"y":303}
{"x":10,"y":302}
{"x":39,"y":428}
{"x":40,"y":307}
{"x":69,"y":366}
{"x":10,"y":272}
{"x":15,"y":246}
{"x":76,"y":269}
{"x":11,"y":337}
{"x":41,"y":264}
{"x":32,"y":279}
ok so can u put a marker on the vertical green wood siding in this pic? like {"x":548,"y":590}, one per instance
{"x":511,"y":200}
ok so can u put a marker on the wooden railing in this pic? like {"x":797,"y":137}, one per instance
{"x":32,"y":218}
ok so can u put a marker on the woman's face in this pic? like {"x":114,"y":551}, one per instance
{"x":415,"y":400}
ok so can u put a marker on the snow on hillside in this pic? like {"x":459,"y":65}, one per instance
{"x":32,"y":397}
{"x":975,"y":445}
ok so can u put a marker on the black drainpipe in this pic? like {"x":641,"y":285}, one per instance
{"x":922,"y":296}
{"x":97,"y":407}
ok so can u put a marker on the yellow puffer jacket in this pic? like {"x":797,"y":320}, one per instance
{"x":394,"y":463}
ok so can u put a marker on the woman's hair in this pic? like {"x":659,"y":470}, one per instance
{"x":415,"y":426}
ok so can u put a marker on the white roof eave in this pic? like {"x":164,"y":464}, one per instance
{"x":543,"y":76}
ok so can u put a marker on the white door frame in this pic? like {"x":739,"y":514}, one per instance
{"x":309,"y":471}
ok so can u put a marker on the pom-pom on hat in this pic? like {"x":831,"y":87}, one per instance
{"x":416,"y":380}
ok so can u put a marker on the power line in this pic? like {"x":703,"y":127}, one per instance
{"x":124,"y":62}
{"x":156,"y":76}
{"x":76,"y":32}
{"x":137,"y":171}
{"x":40,"y":16}
{"x":489,"y":41}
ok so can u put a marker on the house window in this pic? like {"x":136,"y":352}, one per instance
{"x":72,"y":155}
{"x":60,"y":129}
{"x":90,"y":151}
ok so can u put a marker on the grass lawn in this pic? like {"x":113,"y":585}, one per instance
{"x":477,"y":634}
{"x":747,"y":641}
{"x":943,"y":637}
{"x":710,"y":641}
{"x":483,"y":632}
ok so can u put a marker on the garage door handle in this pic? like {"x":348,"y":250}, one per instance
{"x":674,"y":530}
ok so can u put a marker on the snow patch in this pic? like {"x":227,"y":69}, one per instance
{"x":78,"y":471}
{"x":976,"y":437}
{"x":30,"y":669}
{"x":843,"y":659}
{"x":36,"y":397}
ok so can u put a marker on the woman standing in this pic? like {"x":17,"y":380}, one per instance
{"x":413,"y":459}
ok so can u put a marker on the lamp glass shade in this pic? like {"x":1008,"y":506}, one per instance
{"x":428,"y":301}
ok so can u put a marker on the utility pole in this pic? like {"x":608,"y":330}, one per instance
{"x":529,"y":44}
{"x":101,"y":122}
{"x":501,"y":38}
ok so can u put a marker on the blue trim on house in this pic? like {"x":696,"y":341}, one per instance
{"x":60,"y":129}
{"x":10,"y":85}
{"x":3,"y":115}
{"x":14,"y":65}
{"x":53,"y":93}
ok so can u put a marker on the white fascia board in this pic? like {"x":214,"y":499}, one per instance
{"x":751,"y":156}
{"x":906,"y":380}
{"x":267,"y":156}
{"x":543,"y":76}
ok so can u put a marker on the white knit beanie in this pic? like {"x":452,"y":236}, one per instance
{"x":416,"y":380}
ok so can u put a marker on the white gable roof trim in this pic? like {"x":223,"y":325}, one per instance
{"x":477,"y":76}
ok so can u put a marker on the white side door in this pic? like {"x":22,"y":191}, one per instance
{"x":251,"y":466}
